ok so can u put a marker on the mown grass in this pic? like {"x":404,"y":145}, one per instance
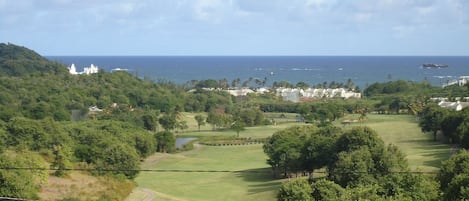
{"x":422,"y":154}
{"x":402,"y":130}
{"x":255,"y":185}
{"x":250,"y":132}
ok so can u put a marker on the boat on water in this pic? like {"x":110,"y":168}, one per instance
{"x":431,"y":65}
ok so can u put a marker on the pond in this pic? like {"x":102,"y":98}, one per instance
{"x":181,"y":141}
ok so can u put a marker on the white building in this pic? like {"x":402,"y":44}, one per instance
{"x":90,"y":70}
{"x":72,"y":69}
{"x":289,"y":94}
{"x":262,"y":90}
{"x":458,"y":106}
{"x":463,"y":80}
{"x":239,"y":92}
{"x":87,"y":70}
{"x":294,"y":94}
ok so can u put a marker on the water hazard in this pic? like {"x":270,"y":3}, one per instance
{"x":181,"y":141}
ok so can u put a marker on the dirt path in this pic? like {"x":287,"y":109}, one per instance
{"x":150,"y":195}
{"x":145,"y":194}
{"x":155,"y":158}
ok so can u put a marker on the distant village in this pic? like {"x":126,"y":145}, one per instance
{"x":295,"y":94}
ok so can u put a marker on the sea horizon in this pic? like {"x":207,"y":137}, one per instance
{"x":47,"y":56}
{"x":362,"y":70}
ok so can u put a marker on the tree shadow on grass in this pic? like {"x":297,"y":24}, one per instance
{"x":436,"y":150}
{"x":259,"y":180}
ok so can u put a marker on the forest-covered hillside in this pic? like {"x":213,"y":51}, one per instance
{"x":20,"y":61}
{"x":36,"y":106}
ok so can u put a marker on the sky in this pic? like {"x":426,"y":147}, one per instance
{"x":238,"y":27}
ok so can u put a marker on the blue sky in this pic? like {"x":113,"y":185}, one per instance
{"x":237,"y":27}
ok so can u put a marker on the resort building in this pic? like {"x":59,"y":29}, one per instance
{"x":240,"y":92}
{"x":294,"y":94}
{"x":458,"y":106}
{"x":463,"y":80}
{"x":87,"y":70}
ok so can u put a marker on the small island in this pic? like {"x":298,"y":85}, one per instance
{"x":432,"y":65}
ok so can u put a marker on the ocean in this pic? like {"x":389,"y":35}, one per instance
{"x":362,"y":70}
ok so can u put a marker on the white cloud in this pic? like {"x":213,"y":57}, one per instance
{"x":211,"y":10}
{"x":234,"y":20}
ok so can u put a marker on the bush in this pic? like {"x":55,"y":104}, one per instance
{"x":326,"y":190}
{"x":295,"y":190}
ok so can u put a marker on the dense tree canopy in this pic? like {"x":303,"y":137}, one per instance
{"x":359,"y":166}
{"x":20,"y":61}
{"x":454,"y":177}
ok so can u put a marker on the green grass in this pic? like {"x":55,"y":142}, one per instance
{"x":422,"y":154}
{"x":213,"y":185}
{"x":252,"y":132}
{"x":402,"y":130}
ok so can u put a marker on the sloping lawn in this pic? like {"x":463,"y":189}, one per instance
{"x":254,"y":184}
{"x":402,"y":130}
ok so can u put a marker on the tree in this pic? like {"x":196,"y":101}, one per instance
{"x":249,"y":116}
{"x":350,"y":85}
{"x":200,"y":120}
{"x":22,"y":184}
{"x":150,"y":122}
{"x":326,"y":190}
{"x":454,"y":176}
{"x":416,"y":187}
{"x":165,"y":141}
{"x":168,"y":121}
{"x":283,"y":149}
{"x":62,"y":156}
{"x":295,"y":190}
{"x":235,"y":82}
{"x":144,"y":144}
{"x":284,"y":84}
{"x":210,"y":83}
{"x":3,"y":139}
{"x":182,"y":125}
{"x":119,"y":159}
{"x":238,"y":126}
{"x":317,"y":151}
{"x":432,"y":119}
{"x":450,"y":126}
{"x":363,"y":159}
{"x":358,"y":137}
{"x":353,"y":168}
{"x":302,"y":85}
{"x":219,"y":120}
